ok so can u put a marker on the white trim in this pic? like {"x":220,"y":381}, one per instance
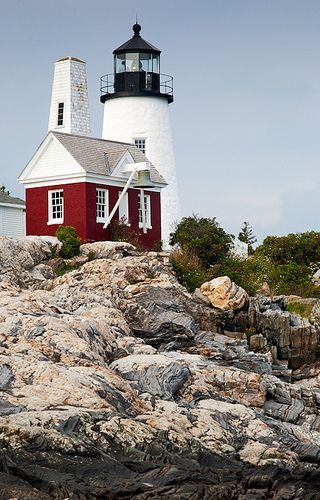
{"x":92,"y":178}
{"x":106,"y":205}
{"x":124,"y":160}
{"x":146,"y":197}
{"x":51,"y":220}
{"x":13,"y":205}
{"x":124,"y":204}
{"x":25,"y":174}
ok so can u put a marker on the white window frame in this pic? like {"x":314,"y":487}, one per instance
{"x":51,"y":218}
{"x":105,"y":205}
{"x":63,"y":114}
{"x":124,"y":209}
{"x":144,"y":142}
{"x":147,"y":205}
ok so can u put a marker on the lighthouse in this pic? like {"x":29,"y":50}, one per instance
{"x":136,"y":98}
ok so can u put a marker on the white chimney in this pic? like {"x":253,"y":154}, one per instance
{"x":69,"y":110}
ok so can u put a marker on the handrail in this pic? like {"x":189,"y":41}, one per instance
{"x":107,"y":85}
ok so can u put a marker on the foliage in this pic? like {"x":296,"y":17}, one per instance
{"x":91,"y":256}
{"x":157,"y":247}
{"x":250,"y":273}
{"x":188,"y":269}
{"x":70,"y":240}
{"x":303,"y":310}
{"x":3,"y":189}
{"x":202,"y":237}
{"x":120,"y":231}
{"x":54,"y":251}
{"x":301,"y":248}
{"x":65,"y":267}
{"x":246,"y":235}
{"x":286,"y":263}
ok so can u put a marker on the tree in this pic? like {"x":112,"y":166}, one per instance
{"x":3,"y":189}
{"x":301,"y":248}
{"x":246,"y":235}
{"x":202,"y":237}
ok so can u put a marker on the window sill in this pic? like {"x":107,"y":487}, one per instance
{"x":54,"y":222}
{"x":141,"y":226}
{"x":101,"y":221}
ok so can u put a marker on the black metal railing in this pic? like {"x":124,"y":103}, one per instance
{"x":147,"y":83}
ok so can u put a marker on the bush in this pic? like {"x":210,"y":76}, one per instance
{"x":120,"y":231}
{"x":203,"y":238}
{"x":286,"y":263}
{"x":71,"y":243}
{"x":188,"y":269}
{"x":249,"y":274}
{"x":301,"y":248}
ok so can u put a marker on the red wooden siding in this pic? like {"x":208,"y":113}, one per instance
{"x":80,"y":212}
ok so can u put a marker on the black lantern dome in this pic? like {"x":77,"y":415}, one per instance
{"x":136,"y":71}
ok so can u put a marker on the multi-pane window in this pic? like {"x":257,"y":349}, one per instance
{"x":60,"y":113}
{"x":55,"y":205}
{"x":141,"y":144}
{"x":147,"y":211}
{"x":102,"y":205}
{"x":124,"y":209}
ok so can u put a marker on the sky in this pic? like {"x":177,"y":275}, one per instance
{"x":245,"y":117}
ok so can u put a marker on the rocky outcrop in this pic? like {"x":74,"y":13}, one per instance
{"x":292,"y":337}
{"x":117,"y":383}
{"x":224,"y":294}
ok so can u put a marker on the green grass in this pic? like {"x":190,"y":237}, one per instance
{"x":301,"y":309}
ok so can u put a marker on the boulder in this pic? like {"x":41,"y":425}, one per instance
{"x":224,"y":294}
{"x":316,"y":278}
{"x":295,"y":338}
{"x":107,"y":249}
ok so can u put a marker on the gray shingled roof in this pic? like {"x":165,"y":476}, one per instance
{"x":6,"y":198}
{"x":93,"y":154}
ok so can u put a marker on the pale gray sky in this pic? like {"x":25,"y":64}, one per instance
{"x":246,"y":115}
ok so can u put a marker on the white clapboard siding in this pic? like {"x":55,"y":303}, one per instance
{"x":54,"y":160}
{"x":12,"y":222}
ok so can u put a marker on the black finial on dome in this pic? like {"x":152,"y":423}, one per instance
{"x":136,"y":29}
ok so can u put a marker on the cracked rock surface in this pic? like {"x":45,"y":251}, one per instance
{"x":115,"y":382}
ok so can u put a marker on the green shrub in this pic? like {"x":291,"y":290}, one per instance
{"x":120,"y":231}
{"x":188,"y":269}
{"x":302,"y":248}
{"x":249,"y":273}
{"x":71,"y":243}
{"x":202,"y":237}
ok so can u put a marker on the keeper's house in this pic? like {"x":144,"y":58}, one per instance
{"x":76,"y":180}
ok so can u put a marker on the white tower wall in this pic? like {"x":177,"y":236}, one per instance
{"x":147,"y":117}
{"x":70,"y":88}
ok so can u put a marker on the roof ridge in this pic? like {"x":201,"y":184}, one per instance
{"x":95,"y":138}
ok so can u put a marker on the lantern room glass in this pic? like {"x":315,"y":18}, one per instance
{"x":135,"y":61}
{"x":120,"y":63}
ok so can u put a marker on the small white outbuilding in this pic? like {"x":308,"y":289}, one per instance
{"x":12,"y":216}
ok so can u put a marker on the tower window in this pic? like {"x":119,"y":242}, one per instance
{"x":55,"y":207}
{"x":146,"y":206}
{"x":60,"y":113}
{"x":102,"y":205}
{"x":141,"y":144}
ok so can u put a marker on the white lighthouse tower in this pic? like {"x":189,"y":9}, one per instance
{"x":136,"y":101}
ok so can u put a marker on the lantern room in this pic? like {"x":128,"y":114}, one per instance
{"x":136,"y":71}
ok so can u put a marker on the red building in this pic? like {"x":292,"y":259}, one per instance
{"x":76,"y":180}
